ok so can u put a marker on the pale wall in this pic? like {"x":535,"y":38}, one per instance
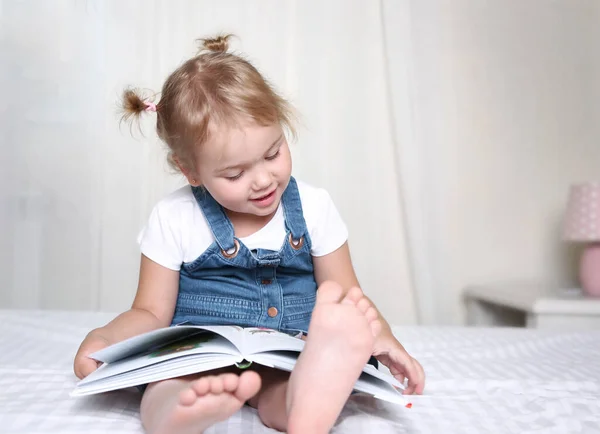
{"x":507,"y":117}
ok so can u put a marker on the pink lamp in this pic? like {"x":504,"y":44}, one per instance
{"x":582,"y":224}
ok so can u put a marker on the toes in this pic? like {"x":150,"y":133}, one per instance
{"x":242,"y":387}
{"x":230,"y":382}
{"x":201,"y":386}
{"x":216,"y":385}
{"x":248,"y":385}
{"x":353,"y":296}
{"x":371,"y":314}
{"x":375,"y":327}
{"x":363,"y":305}
{"x":187,"y":397}
{"x":329,"y":292}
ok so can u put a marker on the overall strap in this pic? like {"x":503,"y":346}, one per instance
{"x":292,"y":209}
{"x":219,"y":223}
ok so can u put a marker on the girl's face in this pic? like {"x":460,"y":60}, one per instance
{"x":245,"y":169}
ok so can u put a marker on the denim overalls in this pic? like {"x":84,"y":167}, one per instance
{"x":229,"y":284}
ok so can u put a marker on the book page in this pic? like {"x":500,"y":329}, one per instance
{"x":155,"y":339}
{"x":380,"y":387}
{"x":208,"y":344}
{"x":284,"y":360}
{"x":385,"y":376}
{"x":258,"y":340}
{"x":191,"y":364}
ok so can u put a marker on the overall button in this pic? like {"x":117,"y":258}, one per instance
{"x":272,"y":312}
{"x":266,"y":281}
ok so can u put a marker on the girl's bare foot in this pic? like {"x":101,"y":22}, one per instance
{"x":182,"y":406}
{"x":339,"y":343}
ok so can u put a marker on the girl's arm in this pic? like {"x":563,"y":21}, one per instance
{"x":337,"y":266}
{"x":152,"y":308}
{"x":154,"y":302}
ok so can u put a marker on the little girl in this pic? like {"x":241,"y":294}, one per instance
{"x":246,"y":244}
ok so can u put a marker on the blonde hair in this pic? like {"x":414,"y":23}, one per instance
{"x":214,"y":87}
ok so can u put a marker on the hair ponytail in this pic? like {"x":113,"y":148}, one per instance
{"x":134,"y":103}
{"x":218,"y":44}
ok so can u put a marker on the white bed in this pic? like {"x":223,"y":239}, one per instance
{"x":479,"y":381}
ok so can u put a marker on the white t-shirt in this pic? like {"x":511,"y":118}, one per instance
{"x":178,"y":232}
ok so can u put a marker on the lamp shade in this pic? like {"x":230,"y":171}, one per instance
{"x":582,"y":219}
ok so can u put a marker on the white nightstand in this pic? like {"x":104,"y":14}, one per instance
{"x":534,"y":306}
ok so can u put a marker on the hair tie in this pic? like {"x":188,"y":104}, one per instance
{"x":150,"y":106}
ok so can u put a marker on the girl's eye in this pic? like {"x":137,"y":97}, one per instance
{"x":233,"y":178}
{"x":272,"y":157}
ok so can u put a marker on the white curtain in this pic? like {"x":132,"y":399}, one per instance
{"x":75,"y":189}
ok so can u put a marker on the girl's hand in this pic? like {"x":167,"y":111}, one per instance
{"x":402,"y":366}
{"x":83,"y":365}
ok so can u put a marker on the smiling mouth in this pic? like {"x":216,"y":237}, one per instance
{"x":266,"y":196}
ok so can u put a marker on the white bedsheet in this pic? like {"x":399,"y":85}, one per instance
{"x":478,"y":381}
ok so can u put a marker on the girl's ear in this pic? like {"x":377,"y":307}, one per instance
{"x":189,"y":174}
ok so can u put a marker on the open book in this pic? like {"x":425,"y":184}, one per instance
{"x":185,"y":349}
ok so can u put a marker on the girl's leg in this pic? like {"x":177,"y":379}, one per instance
{"x":339,"y":343}
{"x":192,"y":404}
{"x":271,"y":400}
